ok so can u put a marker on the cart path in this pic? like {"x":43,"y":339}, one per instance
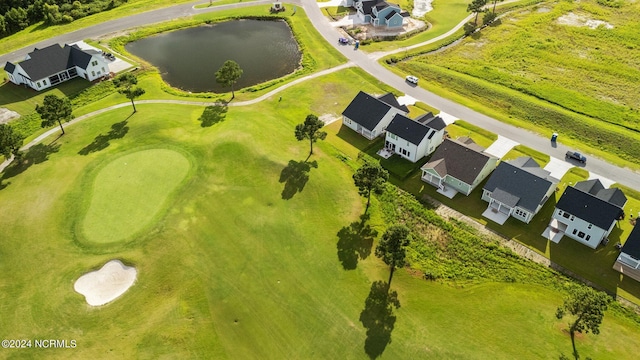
{"x":56,"y":129}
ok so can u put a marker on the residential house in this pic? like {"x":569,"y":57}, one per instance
{"x":44,"y":68}
{"x":628,"y":262}
{"x":587,"y":212}
{"x":517,"y":188}
{"x":379,"y":12}
{"x":414,"y":139}
{"x":458,"y":166}
{"x":369,"y":115}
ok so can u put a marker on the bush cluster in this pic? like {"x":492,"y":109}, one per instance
{"x":16,"y":15}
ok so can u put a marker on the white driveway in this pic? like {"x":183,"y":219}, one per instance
{"x":501,"y":147}
{"x":348,"y":20}
{"x":558,"y":167}
{"x":606,"y":182}
{"x":448,"y":119}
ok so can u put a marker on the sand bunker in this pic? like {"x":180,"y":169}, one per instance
{"x":573,"y":19}
{"x":107,"y":284}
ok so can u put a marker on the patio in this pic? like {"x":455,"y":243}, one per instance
{"x":385,"y":153}
{"x":494,"y":215}
{"x":555,"y":231}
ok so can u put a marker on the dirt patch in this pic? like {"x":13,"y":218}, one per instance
{"x":573,"y":19}
{"x":7,"y":115}
{"x":367,"y":31}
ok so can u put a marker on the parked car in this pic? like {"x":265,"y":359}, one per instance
{"x":574,"y":155}
{"x":412,"y":79}
{"x":554,"y":137}
{"x":343,"y":41}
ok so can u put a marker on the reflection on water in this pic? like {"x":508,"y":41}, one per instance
{"x":188,"y":59}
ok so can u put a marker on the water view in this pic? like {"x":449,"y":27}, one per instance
{"x":188,"y":59}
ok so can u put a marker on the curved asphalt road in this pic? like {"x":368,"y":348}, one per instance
{"x":365,"y":61}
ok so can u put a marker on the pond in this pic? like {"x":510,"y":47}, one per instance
{"x":188,"y":59}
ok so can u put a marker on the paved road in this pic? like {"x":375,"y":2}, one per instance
{"x":368,"y":63}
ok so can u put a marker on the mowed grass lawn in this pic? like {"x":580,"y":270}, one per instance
{"x":243,"y":262}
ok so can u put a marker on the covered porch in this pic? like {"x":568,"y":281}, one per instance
{"x":501,"y":206}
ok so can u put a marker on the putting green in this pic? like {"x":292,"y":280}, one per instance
{"x":129,"y":192}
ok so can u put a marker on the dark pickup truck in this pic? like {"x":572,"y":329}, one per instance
{"x":574,"y":155}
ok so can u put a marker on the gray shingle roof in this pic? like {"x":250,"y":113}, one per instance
{"x":408,"y":129}
{"x":523,"y":179}
{"x":458,"y":160}
{"x":367,"y":110}
{"x":9,"y":67}
{"x":589,"y":207}
{"x":632,"y":245}
{"x":431,"y":121}
{"x":391,"y":99}
{"x":54,"y":59}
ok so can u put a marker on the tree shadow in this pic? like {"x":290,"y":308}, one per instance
{"x":355,"y":242}
{"x":35,"y":155}
{"x":377,"y":317}
{"x":213,"y":115}
{"x":118,"y":131}
{"x":295,"y":176}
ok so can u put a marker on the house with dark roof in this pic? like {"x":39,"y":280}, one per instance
{"x":44,"y":68}
{"x":379,"y":13}
{"x":414,"y":139}
{"x":587,"y":212}
{"x":517,"y":188}
{"x":369,"y":115}
{"x":458,"y":166}
{"x":628,"y":262}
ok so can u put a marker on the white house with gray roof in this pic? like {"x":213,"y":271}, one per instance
{"x":628,"y":262}
{"x":458,"y":165}
{"x":587,"y":212}
{"x":517,"y":188}
{"x":414,"y":139}
{"x":369,"y":115}
{"x":44,"y":68}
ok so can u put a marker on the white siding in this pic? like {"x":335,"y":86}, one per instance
{"x":578,"y":229}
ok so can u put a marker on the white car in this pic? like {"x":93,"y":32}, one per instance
{"x":412,"y":79}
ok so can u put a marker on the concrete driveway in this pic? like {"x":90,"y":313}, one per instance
{"x":501,"y":147}
{"x":558,"y":167}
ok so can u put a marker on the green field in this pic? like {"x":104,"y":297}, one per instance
{"x":538,"y":71}
{"x":246,"y":259}
{"x":247,"y":249}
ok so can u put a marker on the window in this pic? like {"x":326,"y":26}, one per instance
{"x":409,"y":153}
{"x":572,"y":217}
{"x":103,"y":70}
{"x":520,"y":212}
{"x":581,"y":235}
{"x":566,"y":215}
{"x":590,"y":226}
{"x":575,"y":231}
{"x":588,"y":237}
{"x":94,"y":63}
{"x":44,"y":82}
{"x":560,"y":212}
{"x":93,"y":73}
{"x":39,"y":84}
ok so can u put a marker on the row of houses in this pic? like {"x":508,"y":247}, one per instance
{"x":586,"y":212}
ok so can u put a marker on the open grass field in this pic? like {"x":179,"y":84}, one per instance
{"x":248,"y":257}
{"x":543,"y":69}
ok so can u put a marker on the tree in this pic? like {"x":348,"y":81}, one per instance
{"x":391,"y":248}
{"x":228,"y":74}
{"x":587,"y":306}
{"x":126,"y":85}
{"x":310,"y":129}
{"x":476,"y":6}
{"x":370,"y":177}
{"x":10,"y":141}
{"x":54,"y":109}
{"x":494,"y":5}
